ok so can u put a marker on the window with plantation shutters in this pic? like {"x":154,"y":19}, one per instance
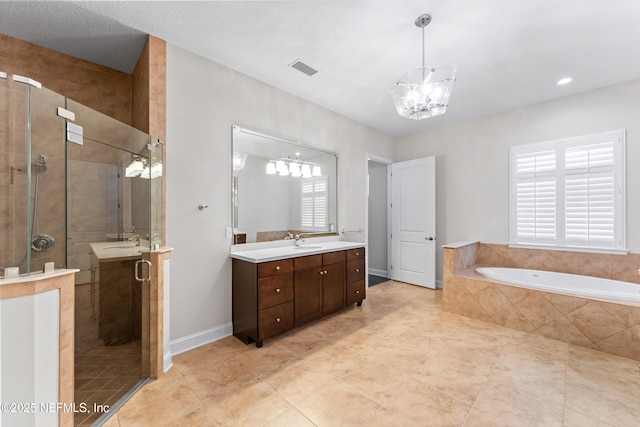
{"x":569,"y":193}
{"x":314,"y":205}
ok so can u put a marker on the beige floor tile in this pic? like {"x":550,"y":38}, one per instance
{"x":296,"y":381}
{"x":619,"y":382}
{"x":503,"y":416}
{"x":267,"y":358}
{"x":332,"y":358}
{"x":458,"y":372}
{"x":336,"y":404}
{"x":510,"y":399}
{"x":253,"y":404}
{"x":219,"y":380}
{"x":592,"y":400}
{"x":374,"y":379}
{"x":426,"y":405}
{"x":539,"y":342}
{"x":386,"y":418}
{"x":574,"y":419}
{"x":291,"y":418}
{"x":159,"y":405}
{"x":425,"y":366}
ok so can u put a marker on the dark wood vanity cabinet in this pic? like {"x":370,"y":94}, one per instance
{"x":262,"y":299}
{"x":272,"y":297}
{"x":355,"y":276}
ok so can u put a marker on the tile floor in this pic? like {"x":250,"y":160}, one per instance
{"x":103,"y":374}
{"x":398,"y":360}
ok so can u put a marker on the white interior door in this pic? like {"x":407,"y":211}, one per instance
{"x":413,"y":222}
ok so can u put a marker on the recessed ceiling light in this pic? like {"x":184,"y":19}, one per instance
{"x":564,"y":81}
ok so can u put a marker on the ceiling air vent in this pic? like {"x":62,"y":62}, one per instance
{"x":302,"y":67}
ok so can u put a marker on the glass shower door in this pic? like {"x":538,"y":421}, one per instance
{"x":112,"y":187}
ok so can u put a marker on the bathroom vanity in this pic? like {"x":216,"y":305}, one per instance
{"x":278,"y":289}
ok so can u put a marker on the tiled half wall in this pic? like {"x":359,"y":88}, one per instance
{"x":611,"y":328}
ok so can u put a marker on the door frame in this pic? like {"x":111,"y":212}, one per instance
{"x":385,"y":161}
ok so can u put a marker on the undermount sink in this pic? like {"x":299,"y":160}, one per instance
{"x":127,"y":246}
{"x":308,"y":247}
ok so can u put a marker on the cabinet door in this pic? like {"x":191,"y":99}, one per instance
{"x":308,"y":294}
{"x":333,"y":287}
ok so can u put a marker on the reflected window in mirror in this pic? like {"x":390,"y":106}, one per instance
{"x":282,"y":189}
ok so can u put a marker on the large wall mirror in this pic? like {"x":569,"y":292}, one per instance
{"x":281,"y":188}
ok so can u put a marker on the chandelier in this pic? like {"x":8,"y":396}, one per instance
{"x":423,"y":91}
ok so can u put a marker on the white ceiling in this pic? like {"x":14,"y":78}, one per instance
{"x":509,"y":53}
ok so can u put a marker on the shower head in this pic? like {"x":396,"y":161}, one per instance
{"x":40,"y":165}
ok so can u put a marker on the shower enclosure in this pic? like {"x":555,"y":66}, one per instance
{"x":81,"y":190}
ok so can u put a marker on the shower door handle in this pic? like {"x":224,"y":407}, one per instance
{"x":136,"y":268}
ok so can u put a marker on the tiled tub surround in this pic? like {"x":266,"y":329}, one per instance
{"x":608,"y":327}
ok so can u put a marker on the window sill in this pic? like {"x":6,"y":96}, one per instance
{"x":570,"y":248}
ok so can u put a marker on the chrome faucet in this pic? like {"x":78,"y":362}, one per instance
{"x":298,"y":240}
{"x":134,"y":236}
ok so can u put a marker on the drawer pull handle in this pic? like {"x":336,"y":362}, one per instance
{"x":357,"y":291}
{"x":277,"y":320}
{"x":357,"y":270}
{"x":325,"y":272}
{"x":357,"y":253}
{"x":277,"y":268}
{"x":277,"y":290}
{"x":321,"y":273}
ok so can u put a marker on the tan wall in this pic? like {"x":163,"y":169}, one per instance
{"x":101,"y":88}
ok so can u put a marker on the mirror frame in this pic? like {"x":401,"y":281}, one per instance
{"x":234,"y":214}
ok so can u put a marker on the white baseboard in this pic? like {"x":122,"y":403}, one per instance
{"x":438,"y":284}
{"x":166,"y":361}
{"x":180,"y":345}
{"x":381,"y":273}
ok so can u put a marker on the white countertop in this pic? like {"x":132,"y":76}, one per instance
{"x":37,"y":276}
{"x":290,"y":251}
{"x":112,"y":251}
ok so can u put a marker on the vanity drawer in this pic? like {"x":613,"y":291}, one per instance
{"x":272,"y":268}
{"x":275,"y":290}
{"x":275,"y":320}
{"x":304,"y":262}
{"x":355,"y":292}
{"x":333,"y":257}
{"x":355,"y":270}
{"x":357,"y":253}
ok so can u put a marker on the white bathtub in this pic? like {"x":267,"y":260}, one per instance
{"x":594,"y":288}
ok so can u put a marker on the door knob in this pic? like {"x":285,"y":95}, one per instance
{"x":429,"y":238}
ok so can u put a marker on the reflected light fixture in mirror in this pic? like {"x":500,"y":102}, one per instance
{"x":135,"y":168}
{"x":271,"y":168}
{"x":239,"y":160}
{"x":293,"y":167}
{"x":140,"y":168}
